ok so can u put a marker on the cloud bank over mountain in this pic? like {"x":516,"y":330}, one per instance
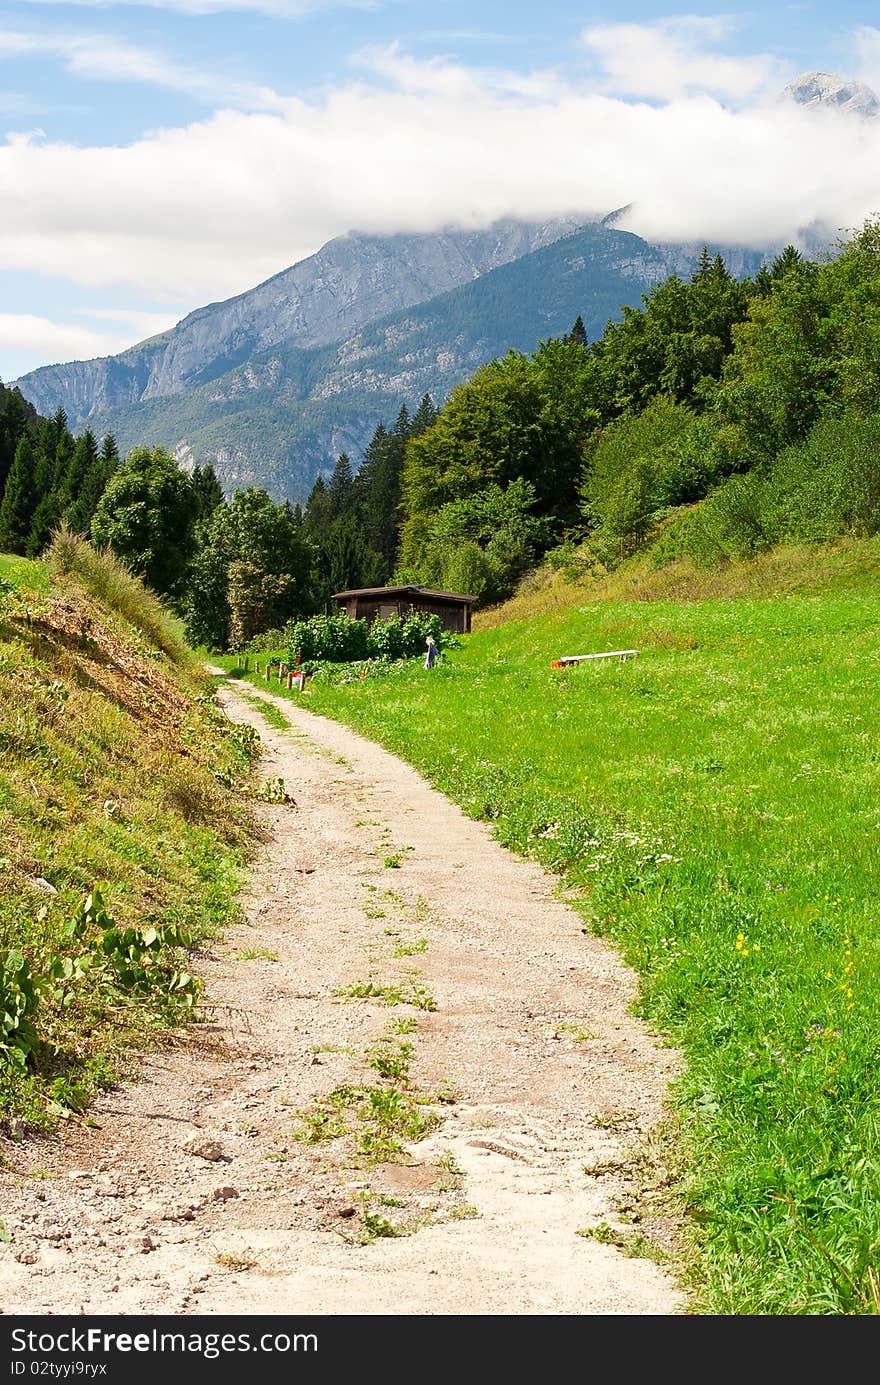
{"x":659,"y":116}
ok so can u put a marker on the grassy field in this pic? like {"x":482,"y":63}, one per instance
{"x":122,"y":837}
{"x":715,"y":801}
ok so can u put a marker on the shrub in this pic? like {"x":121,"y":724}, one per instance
{"x":645,"y":464}
{"x":339,"y":639}
{"x":403,"y":637}
{"x":815,"y":491}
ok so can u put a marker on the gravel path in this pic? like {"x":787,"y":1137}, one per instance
{"x":491,"y":1026}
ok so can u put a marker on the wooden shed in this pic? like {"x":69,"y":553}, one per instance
{"x":378,"y":603}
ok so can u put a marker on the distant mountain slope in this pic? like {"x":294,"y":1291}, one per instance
{"x":349,"y":282}
{"x":285,"y":414}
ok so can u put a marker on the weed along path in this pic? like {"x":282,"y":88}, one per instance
{"x":419,"y":1089}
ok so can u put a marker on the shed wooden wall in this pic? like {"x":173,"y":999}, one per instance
{"x":454,"y":615}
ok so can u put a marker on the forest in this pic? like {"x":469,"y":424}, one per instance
{"x":721,"y":417}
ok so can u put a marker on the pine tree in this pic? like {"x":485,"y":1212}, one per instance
{"x":104,"y":467}
{"x":84,"y":459}
{"x":340,"y":490}
{"x":47,"y":516}
{"x":578,"y":333}
{"x":704,"y":266}
{"x":424,"y":417}
{"x":379,"y":475}
{"x":787,"y":260}
{"x":110,"y":453}
{"x":763,"y":282}
{"x":54,"y":460}
{"x":16,"y":418}
{"x":208,"y":489}
{"x":318,"y":515}
{"x":19,"y":499}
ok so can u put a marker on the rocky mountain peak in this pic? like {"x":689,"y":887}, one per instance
{"x":830,"y":89}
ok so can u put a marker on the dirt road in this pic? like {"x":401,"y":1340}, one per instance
{"x":420,"y":1081}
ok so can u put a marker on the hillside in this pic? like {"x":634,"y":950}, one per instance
{"x":785,"y":570}
{"x":259,"y":387}
{"x":123,"y":830}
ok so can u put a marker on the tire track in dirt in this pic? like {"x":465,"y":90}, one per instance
{"x":538,"y":1081}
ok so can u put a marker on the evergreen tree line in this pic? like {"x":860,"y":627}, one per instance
{"x":232,"y":568}
{"x":353,"y":521}
{"x":46,"y":475}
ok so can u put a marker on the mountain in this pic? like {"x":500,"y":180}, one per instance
{"x":349,"y":282}
{"x":270,"y":387}
{"x":830,"y":89}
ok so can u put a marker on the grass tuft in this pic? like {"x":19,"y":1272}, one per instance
{"x":117,"y":588}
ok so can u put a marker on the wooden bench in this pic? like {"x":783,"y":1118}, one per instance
{"x":581,"y":658}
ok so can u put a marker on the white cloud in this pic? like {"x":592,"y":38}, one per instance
{"x":866,"y":47}
{"x":205,"y":211}
{"x":441,"y":77}
{"x":674,"y":58}
{"x":40,"y":339}
{"x":106,"y":59}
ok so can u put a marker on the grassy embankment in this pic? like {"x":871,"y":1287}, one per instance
{"x":715,"y":802}
{"x":117,"y":774}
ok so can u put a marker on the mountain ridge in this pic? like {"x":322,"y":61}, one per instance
{"x":349,"y":281}
{"x":279,"y":416}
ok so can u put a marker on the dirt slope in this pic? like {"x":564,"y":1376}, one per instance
{"x":529,"y":1065}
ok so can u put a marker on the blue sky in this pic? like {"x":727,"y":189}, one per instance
{"x":157,"y":156}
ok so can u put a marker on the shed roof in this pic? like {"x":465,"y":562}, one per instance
{"x":407,"y":591}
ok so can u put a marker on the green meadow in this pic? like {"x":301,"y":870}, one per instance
{"x":714,"y":803}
